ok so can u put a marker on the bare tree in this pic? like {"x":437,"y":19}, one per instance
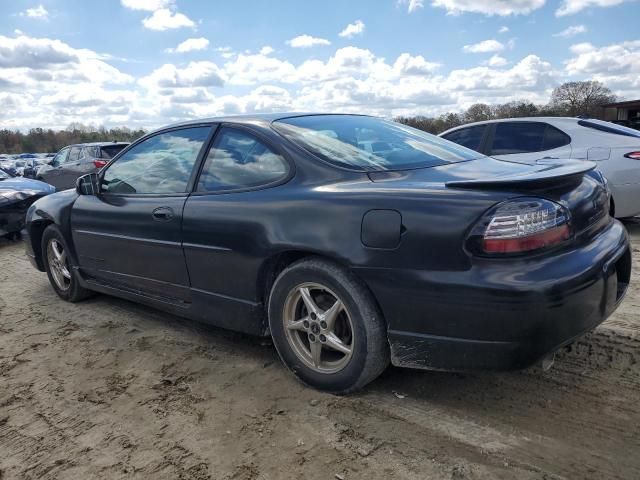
{"x":478,"y":112}
{"x":581,"y":98}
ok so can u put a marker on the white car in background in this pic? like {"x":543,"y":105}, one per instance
{"x":615,"y":148}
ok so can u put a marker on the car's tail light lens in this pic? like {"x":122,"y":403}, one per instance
{"x":99,"y":163}
{"x":633,"y":155}
{"x":521,"y":225}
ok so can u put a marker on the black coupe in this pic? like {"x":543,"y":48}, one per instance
{"x":351,"y":240}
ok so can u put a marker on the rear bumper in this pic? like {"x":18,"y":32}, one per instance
{"x":502,"y":315}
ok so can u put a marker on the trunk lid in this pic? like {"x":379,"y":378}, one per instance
{"x":566,"y":182}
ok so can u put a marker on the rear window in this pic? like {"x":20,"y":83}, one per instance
{"x":609,"y":127}
{"x":111,"y":151}
{"x":368,"y":143}
{"x":470,"y":137}
{"x":518,"y":137}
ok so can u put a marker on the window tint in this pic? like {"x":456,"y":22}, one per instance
{"x":518,"y":137}
{"x":609,"y":127}
{"x":554,"y":138}
{"x":74,"y":154}
{"x":347,"y":140}
{"x":239,"y":160}
{"x":160,"y":164}
{"x":111,"y":151}
{"x":470,"y":137}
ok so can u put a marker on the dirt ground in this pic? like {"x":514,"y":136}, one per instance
{"x":110,"y":389}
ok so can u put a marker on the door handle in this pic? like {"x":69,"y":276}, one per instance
{"x":162,"y":214}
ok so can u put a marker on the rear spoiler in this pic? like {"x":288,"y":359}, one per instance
{"x":549,"y":173}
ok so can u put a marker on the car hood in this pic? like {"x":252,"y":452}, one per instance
{"x":486,"y":171}
{"x":19,"y":184}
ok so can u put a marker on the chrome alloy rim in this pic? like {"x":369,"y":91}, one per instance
{"x":318,"y":328}
{"x":57,"y":258}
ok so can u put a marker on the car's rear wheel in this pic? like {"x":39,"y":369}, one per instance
{"x":56,"y":261}
{"x":326,"y":326}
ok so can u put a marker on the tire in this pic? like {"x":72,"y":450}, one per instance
{"x":59,"y":268}
{"x":353,"y":343}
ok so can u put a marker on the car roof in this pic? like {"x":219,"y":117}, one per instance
{"x":557,"y":120}
{"x":97,"y":144}
{"x":255,"y":118}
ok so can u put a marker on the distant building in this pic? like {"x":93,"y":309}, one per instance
{"x":625,"y":113}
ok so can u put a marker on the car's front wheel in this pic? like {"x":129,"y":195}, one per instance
{"x":58,"y":267}
{"x":326,"y":326}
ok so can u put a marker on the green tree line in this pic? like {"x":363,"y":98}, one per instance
{"x":39,"y":140}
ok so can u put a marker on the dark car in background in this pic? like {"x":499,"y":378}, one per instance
{"x":421,"y":253}
{"x":74,"y":161}
{"x":16,"y":196}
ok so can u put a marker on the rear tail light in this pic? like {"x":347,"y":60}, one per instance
{"x":633,"y":155}
{"x":521,"y":225}
{"x":99,"y":163}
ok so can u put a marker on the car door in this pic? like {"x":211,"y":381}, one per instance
{"x":68,"y":170}
{"x":222,"y":239}
{"x":526,"y":141}
{"x":51,"y":173}
{"x":129,"y":235}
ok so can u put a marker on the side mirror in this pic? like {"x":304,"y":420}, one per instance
{"x":88,"y":184}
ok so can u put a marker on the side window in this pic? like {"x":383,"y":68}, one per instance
{"x":161,"y":164}
{"x":60,"y":157}
{"x":470,"y":137}
{"x":86,"y":153}
{"x":239,"y":160}
{"x":518,"y":137}
{"x":74,"y":154}
{"x":554,"y":138}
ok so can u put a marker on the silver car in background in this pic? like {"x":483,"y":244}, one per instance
{"x":615,"y":148}
{"x":74,"y":161}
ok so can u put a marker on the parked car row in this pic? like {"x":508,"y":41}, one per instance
{"x":352,"y":241}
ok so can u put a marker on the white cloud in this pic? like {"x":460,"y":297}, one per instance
{"x":486,"y":46}
{"x":412,"y":5}
{"x":165,"y":19}
{"x":259,"y":68}
{"x":307,"y":41}
{"x":195,"y":74}
{"x":190,"y":45}
{"x":355,"y":28}
{"x":503,"y":29}
{"x":38,"y":12}
{"x":570,"y":7}
{"x":571,"y":31}
{"x":146,"y":5}
{"x":489,"y":7}
{"x":266,"y":50}
{"x":616,"y":65}
{"x":497,"y":61}
{"x":406,"y":64}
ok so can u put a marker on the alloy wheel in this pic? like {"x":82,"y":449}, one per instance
{"x":318,"y":328}
{"x":57,"y":258}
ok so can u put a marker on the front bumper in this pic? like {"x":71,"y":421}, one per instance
{"x":11,"y":222}
{"x":502,"y":314}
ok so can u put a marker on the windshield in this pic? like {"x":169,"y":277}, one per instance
{"x":609,"y":127}
{"x":368,"y":143}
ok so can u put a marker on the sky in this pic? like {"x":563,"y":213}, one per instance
{"x":148,"y":63}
